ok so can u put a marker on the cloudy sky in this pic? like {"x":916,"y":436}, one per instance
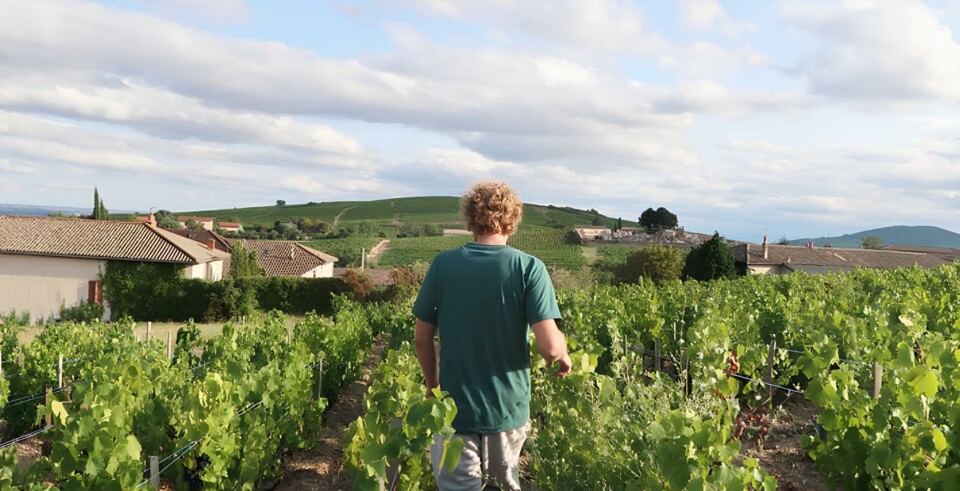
{"x":794,"y":118}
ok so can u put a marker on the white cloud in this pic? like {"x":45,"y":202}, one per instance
{"x":223,"y":11}
{"x":700,"y":14}
{"x":164,"y":113}
{"x":17,"y":168}
{"x":877,"y":51}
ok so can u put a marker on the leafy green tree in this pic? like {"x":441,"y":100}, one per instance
{"x":281,"y":202}
{"x":871,"y":242}
{"x":710,"y":261}
{"x":783,"y":241}
{"x":659,"y":219}
{"x":572,"y":238}
{"x":657,"y":263}
{"x":665,"y":219}
{"x":648,"y":219}
{"x":193,"y":225}
{"x":168,"y":222}
{"x":244,"y":262}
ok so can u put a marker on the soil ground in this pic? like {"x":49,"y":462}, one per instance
{"x":321,"y":467}
{"x":781,"y":452}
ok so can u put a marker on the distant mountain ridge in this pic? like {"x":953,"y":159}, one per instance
{"x":920,"y":235}
{"x":31,"y":210}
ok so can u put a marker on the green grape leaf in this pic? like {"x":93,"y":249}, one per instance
{"x":452,"y":451}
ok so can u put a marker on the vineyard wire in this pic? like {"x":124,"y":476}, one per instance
{"x":24,"y":437}
{"x":768,"y":384}
{"x":193,"y":444}
{"x":796,"y":352}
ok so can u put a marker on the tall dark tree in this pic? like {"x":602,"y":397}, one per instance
{"x":665,"y":219}
{"x":619,"y":223}
{"x":659,"y":219}
{"x":99,"y":211}
{"x":648,"y":219}
{"x":96,"y":205}
{"x":710,"y":261}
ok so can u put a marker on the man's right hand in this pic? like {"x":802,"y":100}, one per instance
{"x":564,"y":365}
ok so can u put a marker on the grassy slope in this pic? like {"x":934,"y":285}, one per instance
{"x":544,"y":243}
{"x":428,"y":209}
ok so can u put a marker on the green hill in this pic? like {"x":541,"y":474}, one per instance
{"x":441,"y":210}
{"x":897,"y":235}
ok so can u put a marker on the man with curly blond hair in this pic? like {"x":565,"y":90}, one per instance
{"x":484,"y":298}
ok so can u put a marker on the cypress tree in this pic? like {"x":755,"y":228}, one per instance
{"x":96,"y":204}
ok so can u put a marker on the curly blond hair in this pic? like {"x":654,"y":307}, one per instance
{"x":491,"y":208}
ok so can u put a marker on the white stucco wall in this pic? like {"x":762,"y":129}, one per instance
{"x":324,"y":271}
{"x":212,"y":271}
{"x":41,"y":285}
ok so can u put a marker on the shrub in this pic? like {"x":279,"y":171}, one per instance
{"x":85,"y":312}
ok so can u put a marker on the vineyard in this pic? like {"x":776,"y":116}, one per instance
{"x":122,"y":414}
{"x":666,"y":379}
{"x":666,"y":383}
{"x":348,"y":250}
{"x":544,"y":243}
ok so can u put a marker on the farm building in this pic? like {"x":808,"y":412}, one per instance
{"x":591,"y":233}
{"x":289,"y":258}
{"x":785,"y":259}
{"x":231,"y":226}
{"x":206,"y":222}
{"x":47,"y":263}
{"x":946,"y":253}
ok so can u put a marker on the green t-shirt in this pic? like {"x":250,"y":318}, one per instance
{"x":483,"y":299}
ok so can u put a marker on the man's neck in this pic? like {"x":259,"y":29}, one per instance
{"x":491,"y":239}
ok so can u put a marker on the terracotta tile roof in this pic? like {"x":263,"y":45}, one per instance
{"x":229,"y":224}
{"x":184,"y":218}
{"x":203,"y":237}
{"x":833,"y":257}
{"x":945,"y":253}
{"x":285,"y":257}
{"x":99,"y":239}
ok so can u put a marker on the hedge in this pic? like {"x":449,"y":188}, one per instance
{"x":157,"y":292}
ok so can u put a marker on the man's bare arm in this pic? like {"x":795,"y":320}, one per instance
{"x":552,"y":345}
{"x":427,"y":353}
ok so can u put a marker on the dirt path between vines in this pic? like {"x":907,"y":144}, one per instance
{"x":378,"y":250}
{"x":321,"y":467}
{"x":782,"y":454}
{"x":336,"y":219}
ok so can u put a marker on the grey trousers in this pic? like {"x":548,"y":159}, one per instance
{"x":488,"y":461}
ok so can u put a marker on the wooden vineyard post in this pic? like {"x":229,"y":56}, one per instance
{"x":170,"y":345}
{"x":688,"y":376}
{"x":149,"y":328}
{"x":60,"y":371}
{"x":155,"y":471}
{"x":1,"y":363}
{"x":320,"y":380}
{"x":770,"y":359}
{"x":48,"y":419}
{"x":877,"y":379}
{"x":656,"y":356}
